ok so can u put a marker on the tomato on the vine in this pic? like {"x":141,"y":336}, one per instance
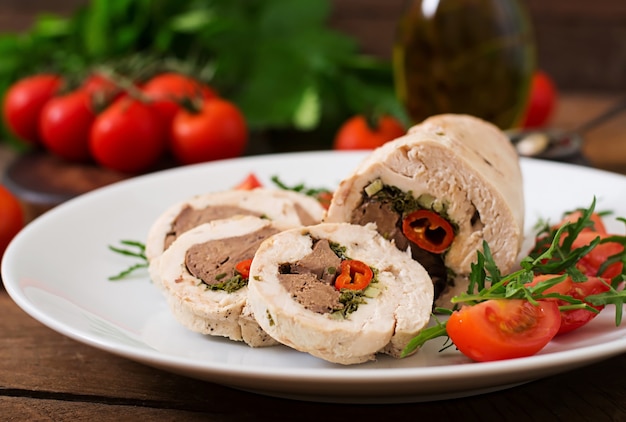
{"x":127,"y":136}
{"x":12,"y":220}
{"x":169,"y":90}
{"x":217,"y":131}
{"x":65,"y":124}
{"x":101,"y":88}
{"x":357,"y":133}
{"x":503,"y":328}
{"x":24,"y":101}
{"x":541,"y":102}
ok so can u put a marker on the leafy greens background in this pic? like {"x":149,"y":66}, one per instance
{"x":276,"y":59}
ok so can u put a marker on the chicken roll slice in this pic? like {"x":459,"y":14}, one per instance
{"x":204,"y":275}
{"x":290,"y":207}
{"x":340,"y":292}
{"x":451,"y":183}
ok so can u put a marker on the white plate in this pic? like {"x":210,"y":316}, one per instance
{"x":56,"y":269}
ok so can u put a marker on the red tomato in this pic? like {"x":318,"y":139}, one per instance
{"x":23,"y":102}
{"x":356,"y":133}
{"x":12,"y":220}
{"x":324,"y":198}
{"x":216,"y":132}
{"x":249,"y":183}
{"x":102,"y":89}
{"x":127,"y":136}
{"x":598,"y":224}
{"x":65,"y":123}
{"x":590,"y":263}
{"x":542,"y":100}
{"x":168,"y":90}
{"x":575,"y":318}
{"x":503,"y":329}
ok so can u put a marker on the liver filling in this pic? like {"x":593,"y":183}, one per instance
{"x":310,"y":281}
{"x":210,"y":261}
{"x":189,"y":217}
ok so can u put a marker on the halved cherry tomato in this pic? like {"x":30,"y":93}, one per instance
{"x":503,"y":328}
{"x":353,"y":275}
{"x":249,"y":183}
{"x":428,"y":230}
{"x":596,"y":220}
{"x":591,"y":263}
{"x":24,"y":101}
{"x":358,"y":133}
{"x":574,"y":318}
{"x":243,"y":267}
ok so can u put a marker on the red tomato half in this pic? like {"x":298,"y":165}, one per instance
{"x":590,"y":263}
{"x":217,"y":131}
{"x":127,"y":137}
{"x":65,"y":123}
{"x":23,"y":103}
{"x":503,"y":329}
{"x":250,"y":182}
{"x":12,"y":220}
{"x":598,"y":224}
{"x":575,"y":318}
{"x":541,"y":102}
{"x":356,"y":133}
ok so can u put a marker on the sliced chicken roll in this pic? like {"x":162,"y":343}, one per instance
{"x":451,"y":183}
{"x":289,"y":207}
{"x":340,"y":292}
{"x":204,"y":275}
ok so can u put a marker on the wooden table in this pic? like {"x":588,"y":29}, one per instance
{"x":46,"y":376}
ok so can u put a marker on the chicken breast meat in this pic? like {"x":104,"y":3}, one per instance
{"x":203,"y":282}
{"x":461,"y":168}
{"x":289,"y":207}
{"x":293,"y":296}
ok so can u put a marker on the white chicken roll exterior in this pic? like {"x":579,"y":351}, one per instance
{"x":456,"y":167}
{"x":203,"y":284}
{"x":296,"y":297}
{"x":290,"y":207}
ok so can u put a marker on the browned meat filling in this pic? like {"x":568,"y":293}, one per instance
{"x":189,"y":217}
{"x":214,"y":261}
{"x":386,"y":212}
{"x":310,"y":280}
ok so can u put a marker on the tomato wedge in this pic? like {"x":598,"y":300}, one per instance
{"x":590,"y":264}
{"x":597,"y":225}
{"x":428,"y":230}
{"x":575,"y":318}
{"x":353,"y":275}
{"x":249,"y":182}
{"x":503,"y":329}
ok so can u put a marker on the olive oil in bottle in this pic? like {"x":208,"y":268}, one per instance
{"x":464,"y":56}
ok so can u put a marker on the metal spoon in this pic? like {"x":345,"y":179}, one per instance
{"x":558,"y":144}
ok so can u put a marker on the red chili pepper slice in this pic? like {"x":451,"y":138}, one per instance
{"x":428,"y":230}
{"x":354,"y":275}
{"x":243,"y":268}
